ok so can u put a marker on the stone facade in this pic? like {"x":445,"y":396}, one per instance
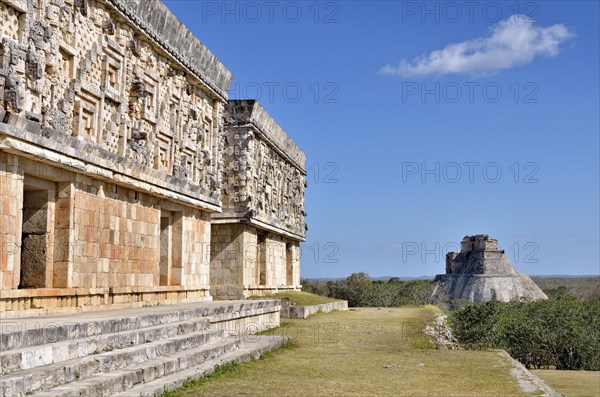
{"x":112,"y":153}
{"x":481,"y":272}
{"x":256,"y":238}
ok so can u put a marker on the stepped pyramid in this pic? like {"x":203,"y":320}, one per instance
{"x":481,"y":272}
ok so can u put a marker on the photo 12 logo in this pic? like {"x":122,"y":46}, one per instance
{"x":435,"y":252}
{"x":326,"y":12}
{"x":288,"y":91}
{"x":466,"y":11}
{"x":469,"y":172}
{"x":326,"y":252}
{"x":470,"y":92}
{"x":88,"y":252}
{"x":327,"y":172}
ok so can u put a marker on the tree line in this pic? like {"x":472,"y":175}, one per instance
{"x":360,"y":291}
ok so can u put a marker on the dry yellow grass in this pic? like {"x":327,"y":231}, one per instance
{"x":572,"y":383}
{"x":366,"y":352}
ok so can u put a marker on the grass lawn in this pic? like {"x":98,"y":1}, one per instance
{"x":366,"y":352}
{"x":572,"y":383}
{"x":300,"y":298}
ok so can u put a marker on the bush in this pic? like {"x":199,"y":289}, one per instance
{"x":562,"y":332}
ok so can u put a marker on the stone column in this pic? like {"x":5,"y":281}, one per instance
{"x":11,"y":203}
{"x":63,"y":236}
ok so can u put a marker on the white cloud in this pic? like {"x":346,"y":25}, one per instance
{"x":512,"y":42}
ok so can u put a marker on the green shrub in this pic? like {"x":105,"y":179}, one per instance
{"x":561,"y":332}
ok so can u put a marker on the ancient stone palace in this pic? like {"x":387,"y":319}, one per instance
{"x":127,"y":178}
{"x":255,"y":239}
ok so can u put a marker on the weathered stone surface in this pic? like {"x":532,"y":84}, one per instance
{"x":35,"y":213}
{"x":481,"y":272}
{"x":34,"y":261}
{"x":154,"y":18}
{"x":264,"y":171}
{"x":255,"y":240}
{"x":152,"y":113}
{"x":112,"y":116}
{"x":291,"y":311}
{"x":114,"y":351}
{"x":243,"y":112}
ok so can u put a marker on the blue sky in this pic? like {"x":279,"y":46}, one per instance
{"x":423,"y":124}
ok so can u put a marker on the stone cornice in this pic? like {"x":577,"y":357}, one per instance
{"x":155,"y":20}
{"x":89,"y":159}
{"x":268,"y":225}
{"x":244,"y":112}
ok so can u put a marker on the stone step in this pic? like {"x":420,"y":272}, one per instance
{"x":27,"y":332}
{"x":14,"y":337}
{"x":119,"y":380}
{"x":247,"y":351}
{"x":79,"y":369}
{"x":40,"y":355}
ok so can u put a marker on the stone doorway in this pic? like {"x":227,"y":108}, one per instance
{"x":170,"y":264}
{"x":37,"y":233}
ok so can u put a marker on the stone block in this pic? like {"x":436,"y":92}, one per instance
{"x":34,"y":261}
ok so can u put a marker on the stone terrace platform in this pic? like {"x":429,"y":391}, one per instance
{"x":130,"y":352}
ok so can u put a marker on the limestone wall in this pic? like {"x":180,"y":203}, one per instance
{"x":111,"y":113}
{"x":244,"y":112}
{"x":121,"y":231}
{"x":11,"y":197}
{"x":115,"y":165}
{"x":293,"y":263}
{"x":110,"y":78}
{"x":196,"y":248}
{"x":246,"y":261}
{"x":479,"y":255}
{"x":290,"y":311}
{"x":272,"y":258}
{"x":227,"y":260}
{"x":118,"y":235}
{"x":256,"y":239}
{"x":264,"y":175}
{"x":80,"y":242}
{"x":251,"y":256}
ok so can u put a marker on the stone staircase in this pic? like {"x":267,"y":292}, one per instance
{"x":130,"y":352}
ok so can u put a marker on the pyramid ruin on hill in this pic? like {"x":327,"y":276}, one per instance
{"x":481,"y":272}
